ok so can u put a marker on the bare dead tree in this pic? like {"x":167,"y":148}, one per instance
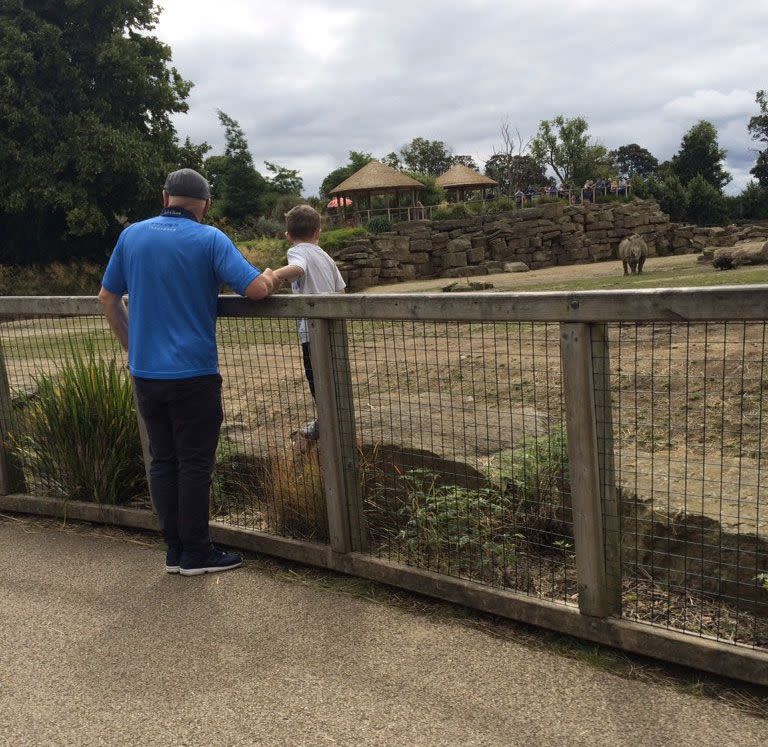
{"x":509,"y":159}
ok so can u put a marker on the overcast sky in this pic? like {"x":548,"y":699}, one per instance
{"x":309,"y":81}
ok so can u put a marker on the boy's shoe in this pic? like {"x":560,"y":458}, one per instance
{"x":310,"y":431}
{"x":195,"y":564}
{"x":173,"y":558}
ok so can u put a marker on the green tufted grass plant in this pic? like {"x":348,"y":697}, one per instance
{"x":78,"y":436}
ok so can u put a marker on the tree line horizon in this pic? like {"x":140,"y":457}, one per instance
{"x":86,"y":137}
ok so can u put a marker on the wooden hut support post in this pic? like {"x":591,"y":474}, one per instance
{"x":578,"y":384}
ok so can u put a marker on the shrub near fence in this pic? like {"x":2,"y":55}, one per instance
{"x":587,"y":462}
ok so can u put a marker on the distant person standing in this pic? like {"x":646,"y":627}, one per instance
{"x":309,"y":270}
{"x":172,"y":266}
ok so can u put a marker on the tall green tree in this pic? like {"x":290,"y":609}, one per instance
{"x":700,"y":153}
{"x":430,"y":157}
{"x":192,"y":156}
{"x":705,"y":203}
{"x":283,"y":180}
{"x":566,"y":146}
{"x":86,"y":137}
{"x":357,"y":160}
{"x":758,"y":129}
{"x":238,"y":189}
{"x":634,"y":160}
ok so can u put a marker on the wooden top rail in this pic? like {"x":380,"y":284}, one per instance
{"x":723,"y":303}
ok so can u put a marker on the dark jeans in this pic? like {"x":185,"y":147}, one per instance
{"x":183,"y":418}
{"x":308,"y":367}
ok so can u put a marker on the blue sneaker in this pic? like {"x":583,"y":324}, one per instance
{"x":173,"y":558}
{"x":195,"y":564}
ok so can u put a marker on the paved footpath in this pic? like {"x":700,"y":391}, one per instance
{"x":99,"y":647}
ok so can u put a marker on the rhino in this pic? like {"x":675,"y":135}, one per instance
{"x":632,"y":252}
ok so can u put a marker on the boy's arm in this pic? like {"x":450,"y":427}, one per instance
{"x":287,"y":274}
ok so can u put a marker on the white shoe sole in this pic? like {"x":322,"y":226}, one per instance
{"x":212,"y":569}
{"x":172,"y":568}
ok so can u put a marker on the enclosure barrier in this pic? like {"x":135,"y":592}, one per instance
{"x":586,"y":462}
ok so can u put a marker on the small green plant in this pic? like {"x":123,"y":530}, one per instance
{"x":379,"y":224}
{"x":762,"y":579}
{"x":79,"y":436}
{"x":538,"y":470}
{"x":500,"y":205}
{"x":330,"y":240}
{"x":238,"y":479}
{"x":265,"y":252}
{"x":452,"y":212}
{"x":536,"y":476}
{"x":455,"y":526}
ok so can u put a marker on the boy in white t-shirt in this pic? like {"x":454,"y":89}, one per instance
{"x":309,"y":270}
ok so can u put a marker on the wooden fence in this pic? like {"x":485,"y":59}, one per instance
{"x":587,"y":328}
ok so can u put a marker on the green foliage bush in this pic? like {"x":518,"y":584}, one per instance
{"x":705,"y":204}
{"x":265,"y":252}
{"x":526,"y":507}
{"x":493,"y":207}
{"x":463,"y":526}
{"x":330,"y":240}
{"x":601,"y":199}
{"x":79,"y":435}
{"x":453,"y":212}
{"x":75,"y":278}
{"x":379,"y":224}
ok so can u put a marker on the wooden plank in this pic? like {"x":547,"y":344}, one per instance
{"x":136,"y":518}
{"x":576,"y":353}
{"x":11,"y":472}
{"x":725,"y":659}
{"x":605,"y":456}
{"x":345,"y":410}
{"x":330,"y":434}
{"x":658,"y":304}
{"x":97,"y":513}
{"x":747,"y":302}
{"x":299,"y":551}
{"x":33,"y":306}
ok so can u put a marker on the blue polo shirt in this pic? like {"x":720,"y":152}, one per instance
{"x":172,"y":267}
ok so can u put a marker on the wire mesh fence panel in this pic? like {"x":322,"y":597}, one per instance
{"x":266,"y":477}
{"x":686,"y":416}
{"x":70,"y":428}
{"x":460,"y":450}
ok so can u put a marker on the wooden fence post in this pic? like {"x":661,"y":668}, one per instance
{"x":605,"y":454}
{"x":328,"y":350}
{"x":576,"y":354}
{"x":345,"y":410}
{"x":11,"y":474}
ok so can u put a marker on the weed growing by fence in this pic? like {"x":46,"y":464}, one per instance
{"x":455,"y":526}
{"x":79,"y":433}
{"x":298,"y":502}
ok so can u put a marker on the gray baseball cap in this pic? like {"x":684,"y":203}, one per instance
{"x":187,"y":183}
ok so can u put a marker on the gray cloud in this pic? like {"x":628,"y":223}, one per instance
{"x":311,"y":81}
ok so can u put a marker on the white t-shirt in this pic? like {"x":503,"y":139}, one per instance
{"x":320,"y":276}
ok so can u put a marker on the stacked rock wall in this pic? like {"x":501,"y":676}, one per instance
{"x":543,"y":236}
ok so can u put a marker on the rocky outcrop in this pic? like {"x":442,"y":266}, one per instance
{"x":542,"y":236}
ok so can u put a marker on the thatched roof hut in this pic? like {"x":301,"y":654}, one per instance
{"x":376,"y":177}
{"x":462,"y":176}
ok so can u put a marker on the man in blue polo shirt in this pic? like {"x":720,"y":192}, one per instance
{"x":172,"y":267}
